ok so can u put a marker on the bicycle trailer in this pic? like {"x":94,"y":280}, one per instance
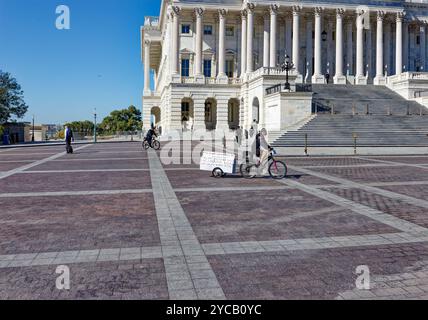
{"x":218,"y":163}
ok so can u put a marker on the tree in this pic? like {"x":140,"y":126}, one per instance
{"x":122,"y":120}
{"x":11,"y":98}
{"x":83,"y":127}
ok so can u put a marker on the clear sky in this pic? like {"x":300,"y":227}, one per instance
{"x":65,"y":74}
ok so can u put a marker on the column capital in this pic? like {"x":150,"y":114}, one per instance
{"x":380,"y":15}
{"x":199,"y":12}
{"x":273,"y":9}
{"x":251,"y":7}
{"x":222,"y":13}
{"x":400,"y":16}
{"x":318,"y":11}
{"x":147,"y":42}
{"x":244,"y":14}
{"x":340,"y":12}
{"x":175,"y":11}
{"x":296,"y":10}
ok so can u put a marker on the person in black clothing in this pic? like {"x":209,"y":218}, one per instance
{"x":68,"y":139}
{"x":150,"y":134}
{"x":327,"y":78}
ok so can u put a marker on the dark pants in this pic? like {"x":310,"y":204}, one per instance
{"x":68,"y":142}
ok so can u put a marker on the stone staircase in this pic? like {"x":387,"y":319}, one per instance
{"x":380,"y":100}
{"x":373,"y":130}
{"x":391,"y":121}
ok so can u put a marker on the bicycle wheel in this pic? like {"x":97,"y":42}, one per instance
{"x":278,"y":170}
{"x":248,"y":171}
{"x":146,"y":145}
{"x":156,"y":145}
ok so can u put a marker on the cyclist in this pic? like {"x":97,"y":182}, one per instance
{"x":262,"y":149}
{"x":150,"y":134}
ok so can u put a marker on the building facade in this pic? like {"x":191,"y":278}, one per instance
{"x":210,"y":64}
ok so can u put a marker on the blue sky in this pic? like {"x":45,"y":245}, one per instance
{"x":65,"y":74}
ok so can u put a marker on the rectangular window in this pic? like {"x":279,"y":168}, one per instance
{"x":207,"y":68}
{"x":230,"y":31}
{"x":185,"y":28}
{"x":185,"y":63}
{"x":229,"y":68}
{"x":208,"y":30}
{"x":418,"y":40}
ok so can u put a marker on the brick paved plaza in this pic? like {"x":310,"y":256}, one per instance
{"x":130,"y":227}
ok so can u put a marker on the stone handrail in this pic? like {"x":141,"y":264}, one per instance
{"x":208,"y":81}
{"x":267,"y":71}
{"x":151,"y":21}
{"x":409,"y":76}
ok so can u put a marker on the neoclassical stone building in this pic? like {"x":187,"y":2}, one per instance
{"x":209,"y":64}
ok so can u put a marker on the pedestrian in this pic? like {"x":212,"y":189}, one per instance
{"x":327,"y":78}
{"x":255,"y":126}
{"x":263,"y":149}
{"x":238,"y":135}
{"x":68,"y":135}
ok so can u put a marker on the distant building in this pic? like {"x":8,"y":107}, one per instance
{"x":52,"y":130}
{"x":22,"y":132}
{"x":217,"y":63}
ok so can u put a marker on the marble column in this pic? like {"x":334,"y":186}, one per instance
{"x":199,"y":35}
{"x":243,"y":42}
{"x":369,"y":53}
{"x":379,"y":79}
{"x":399,"y":44}
{"x":339,"y":78}
{"x":296,"y":39}
{"x":359,"y":75}
{"x":221,"y":44}
{"x":309,"y":49}
{"x":147,"y":90}
{"x":266,"y":41}
{"x":423,"y":47}
{"x":350,"y":48}
{"x":250,"y":36}
{"x":175,"y":40}
{"x":273,"y":35}
{"x":318,"y":77}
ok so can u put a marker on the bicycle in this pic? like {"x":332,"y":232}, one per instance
{"x":277,"y":169}
{"x":154,"y":145}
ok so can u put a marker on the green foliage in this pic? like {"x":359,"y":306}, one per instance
{"x":122,"y":120}
{"x":11,"y":98}
{"x":60,"y":135}
{"x":85,"y":128}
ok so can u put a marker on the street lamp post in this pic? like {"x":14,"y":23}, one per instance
{"x":287,"y":66}
{"x":32,"y":136}
{"x":95,"y":125}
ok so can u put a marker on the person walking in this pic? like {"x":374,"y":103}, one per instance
{"x":68,"y":134}
{"x":238,"y":135}
{"x":255,"y":125}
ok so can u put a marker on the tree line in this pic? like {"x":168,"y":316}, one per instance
{"x":123,"y":120}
